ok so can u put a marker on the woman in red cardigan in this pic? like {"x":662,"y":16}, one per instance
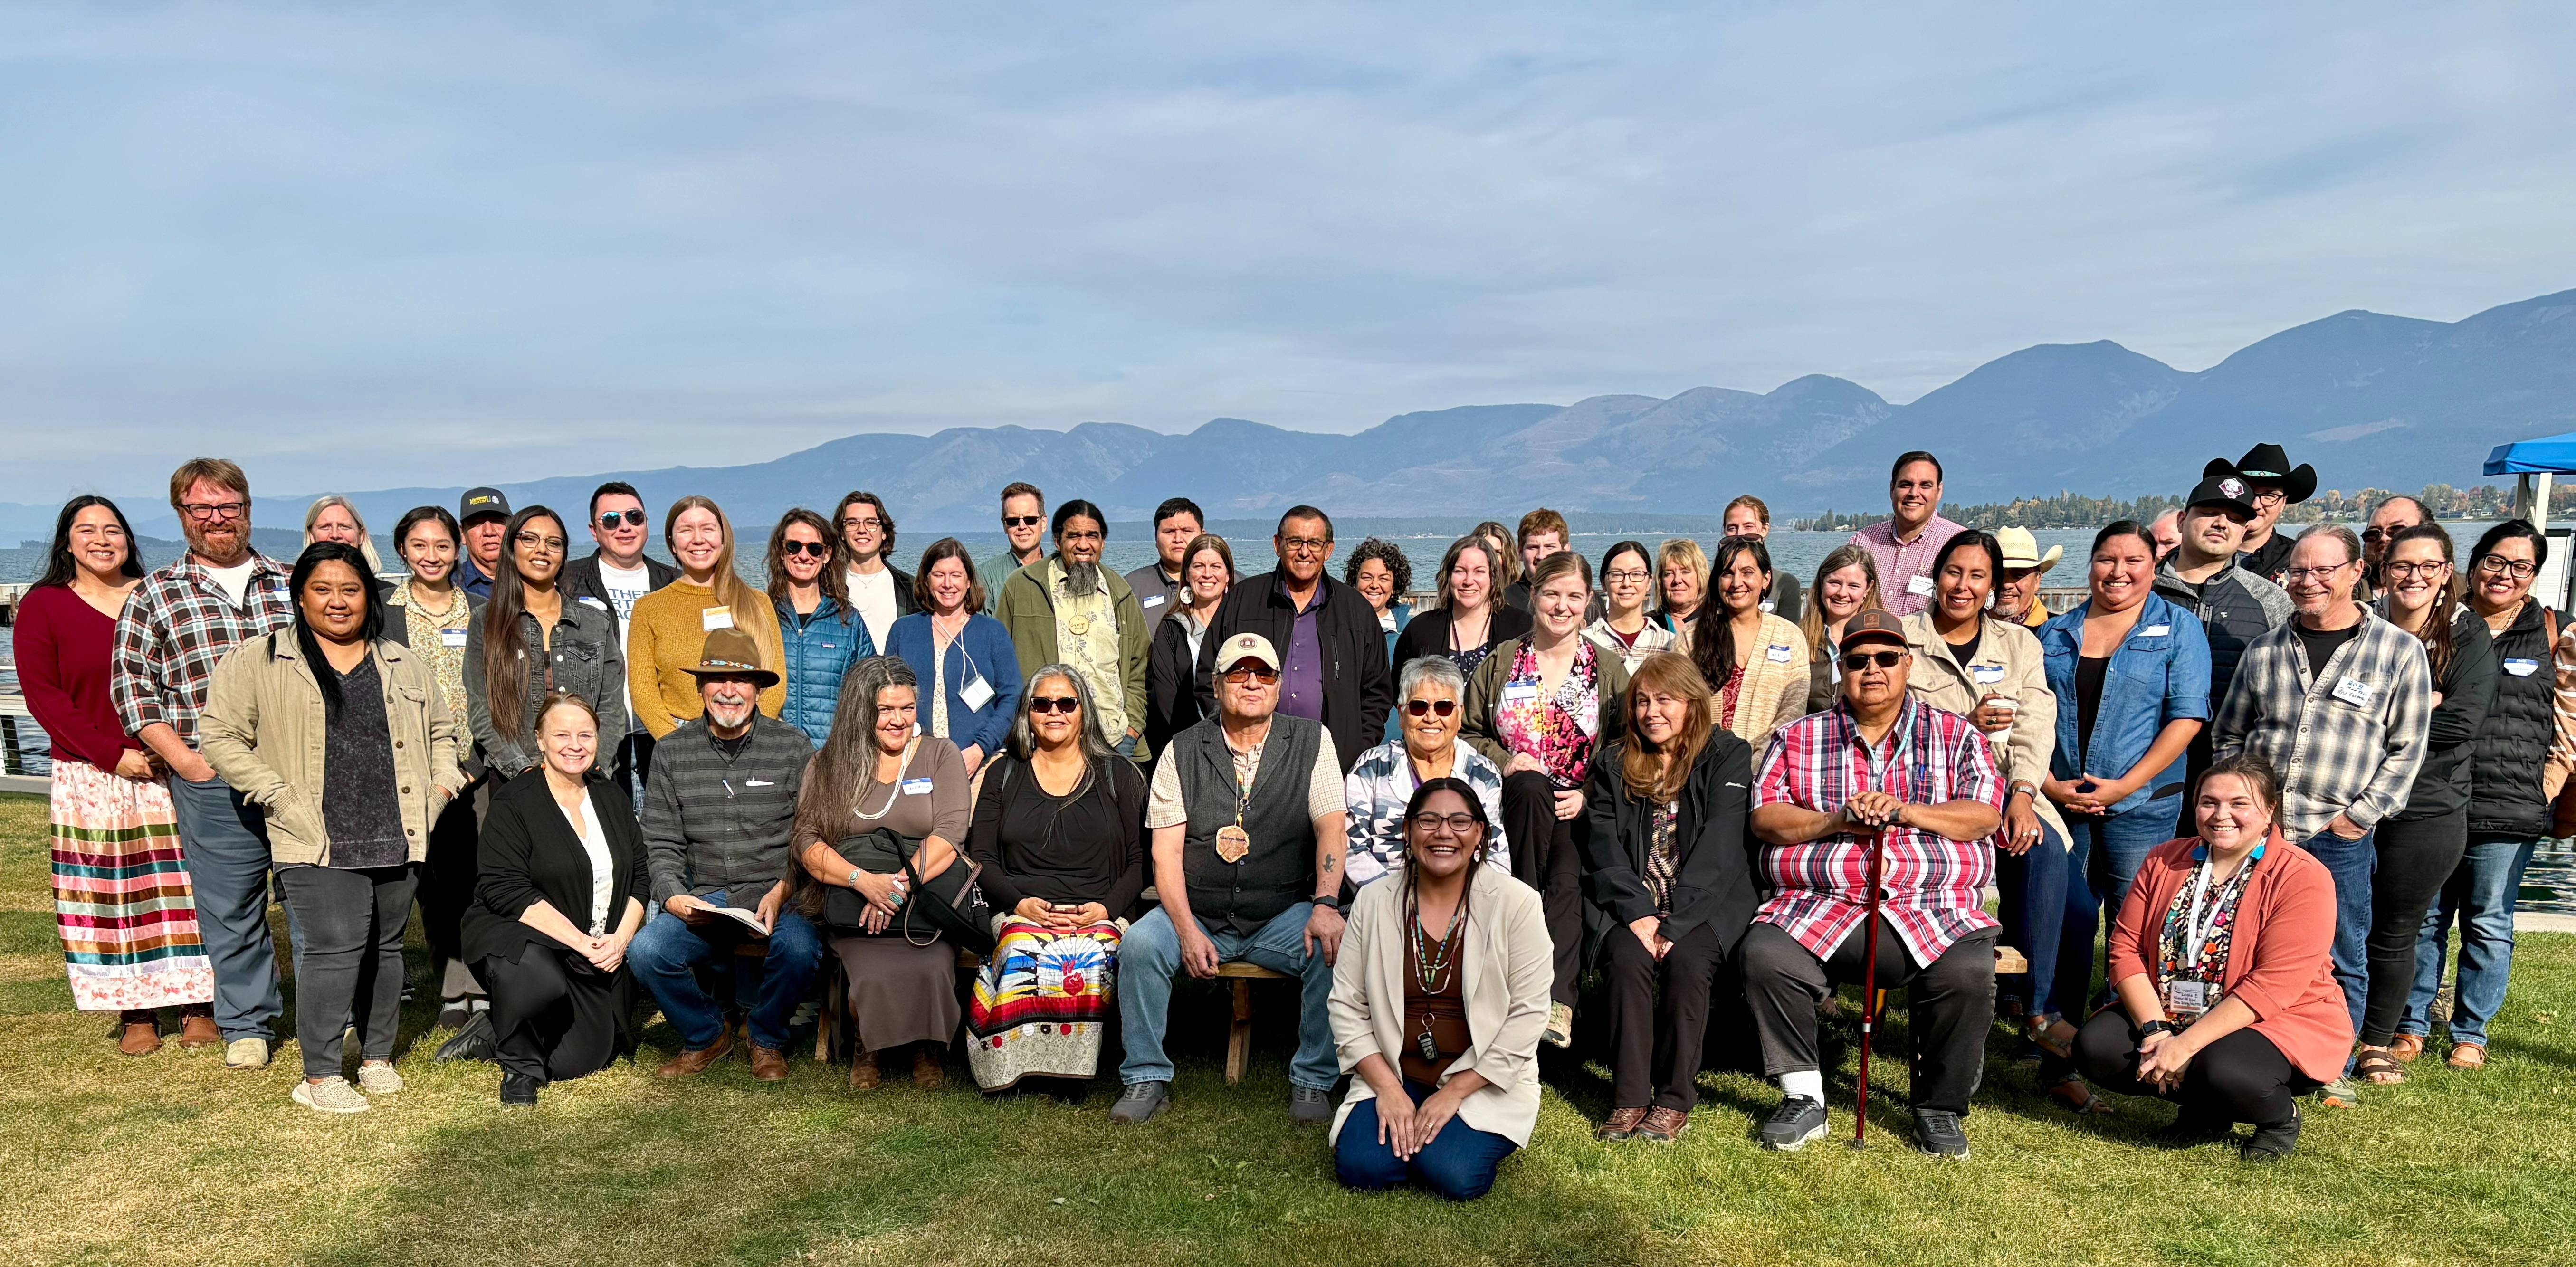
{"x":2228,"y":1002}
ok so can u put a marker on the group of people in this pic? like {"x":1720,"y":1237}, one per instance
{"x":2279,"y":770}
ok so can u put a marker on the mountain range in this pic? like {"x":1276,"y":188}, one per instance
{"x":2370,"y":399}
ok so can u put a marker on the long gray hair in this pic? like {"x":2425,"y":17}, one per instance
{"x":1024,"y":739}
{"x":847,"y":761}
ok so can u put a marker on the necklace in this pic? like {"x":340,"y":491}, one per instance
{"x":1433,"y":961}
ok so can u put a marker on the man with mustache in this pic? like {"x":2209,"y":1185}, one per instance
{"x":1074,"y":611}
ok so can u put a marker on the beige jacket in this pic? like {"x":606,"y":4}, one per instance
{"x":2008,"y":661}
{"x":263,"y":731}
{"x":1506,"y":969}
{"x":1775,"y":684}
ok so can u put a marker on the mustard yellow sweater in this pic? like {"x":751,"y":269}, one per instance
{"x":664,"y":636}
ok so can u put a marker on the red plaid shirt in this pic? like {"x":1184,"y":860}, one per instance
{"x":176,"y":626}
{"x":1933,"y":888}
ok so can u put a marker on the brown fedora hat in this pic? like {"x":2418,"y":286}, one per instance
{"x":732,"y":651}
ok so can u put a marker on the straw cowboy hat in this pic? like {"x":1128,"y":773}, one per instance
{"x":2021,"y":551}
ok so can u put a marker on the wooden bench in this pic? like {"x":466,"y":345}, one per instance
{"x":1238,"y":1035}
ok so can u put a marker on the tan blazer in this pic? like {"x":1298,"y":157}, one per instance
{"x":264,"y":732}
{"x":1506,"y":967}
{"x":1775,"y":684}
{"x":2008,"y":660}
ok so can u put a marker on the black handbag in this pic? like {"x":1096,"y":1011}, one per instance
{"x":951,"y":904}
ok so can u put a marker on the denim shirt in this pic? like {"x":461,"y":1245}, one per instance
{"x":2161,"y":674}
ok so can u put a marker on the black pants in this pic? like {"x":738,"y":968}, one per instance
{"x":555,"y":1015}
{"x":1655,"y":1042}
{"x":447,"y":887}
{"x":346,"y":921}
{"x":2239,"y":1078}
{"x":1949,"y":1004}
{"x":1544,"y":858}
{"x":2414,"y":859}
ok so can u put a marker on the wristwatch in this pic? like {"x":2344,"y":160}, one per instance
{"x":2158,"y":1026}
{"x":1330,"y":901}
{"x":2024,"y":787}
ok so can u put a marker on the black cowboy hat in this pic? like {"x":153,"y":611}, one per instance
{"x":2267,"y":464}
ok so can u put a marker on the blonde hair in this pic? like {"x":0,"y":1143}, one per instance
{"x":733,"y":592}
{"x":1657,"y":774}
{"x":1812,"y":621}
{"x":366,"y":543}
{"x":1684,"y":551}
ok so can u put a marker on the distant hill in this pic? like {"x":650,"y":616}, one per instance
{"x":2372,"y":400}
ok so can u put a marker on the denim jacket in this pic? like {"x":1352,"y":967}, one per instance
{"x":2161,"y":674}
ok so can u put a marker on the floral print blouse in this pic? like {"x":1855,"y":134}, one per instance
{"x":1559,"y":728}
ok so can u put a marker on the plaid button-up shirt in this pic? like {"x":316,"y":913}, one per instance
{"x":176,"y":626}
{"x":1932,"y":888}
{"x":2347,"y":743}
{"x":1899,"y":562}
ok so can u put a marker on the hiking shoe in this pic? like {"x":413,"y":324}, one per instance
{"x":1663,"y":1125}
{"x":1560,"y":1025}
{"x":1936,"y":1131}
{"x":2342,"y":1093}
{"x":1797,"y":1122}
{"x":1310,"y":1105}
{"x":378,"y":1078}
{"x":246,"y":1053}
{"x":2272,"y":1143}
{"x":1141,"y":1101}
{"x":1620,"y":1125}
{"x":519,"y":1090}
{"x":330,"y":1095}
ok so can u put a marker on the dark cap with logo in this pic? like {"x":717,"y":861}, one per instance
{"x":2228,"y":490}
{"x":1872,"y":625}
{"x":481,"y":503}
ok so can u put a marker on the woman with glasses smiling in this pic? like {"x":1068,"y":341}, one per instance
{"x":526,"y":643}
{"x":1625,"y":628}
{"x":1430,"y":705}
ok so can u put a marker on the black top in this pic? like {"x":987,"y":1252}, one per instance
{"x":2088,"y":701}
{"x":1171,"y":698}
{"x":2322,"y":644}
{"x":1088,"y":847}
{"x":2468,"y":690}
{"x":361,"y":813}
{"x":1965,"y":652}
{"x":1428,"y":634}
{"x":2512,"y":744}
{"x":531,"y":852}
{"x":2272,"y":559}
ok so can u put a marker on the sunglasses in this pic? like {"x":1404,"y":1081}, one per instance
{"x":1859,"y":660}
{"x":791,"y":549}
{"x":1241,"y":675}
{"x":1054,"y":704}
{"x":1022,"y":521}
{"x":1422,"y":707}
{"x":631,"y":518}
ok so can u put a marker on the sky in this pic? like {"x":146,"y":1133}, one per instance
{"x":363,"y":246}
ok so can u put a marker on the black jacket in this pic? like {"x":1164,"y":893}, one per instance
{"x":1428,"y":633}
{"x":581,"y":579}
{"x":531,"y":853}
{"x":1713,"y":845}
{"x":2468,"y":690}
{"x":2513,"y":745}
{"x":1358,"y":687}
{"x":1171,"y":696}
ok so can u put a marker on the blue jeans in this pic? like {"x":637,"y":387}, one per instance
{"x":2351,"y":862}
{"x":1459,"y":1162}
{"x":2102,"y":859}
{"x":2481,"y":895}
{"x":225,"y":841}
{"x":2034,"y":910}
{"x":1150,"y":956}
{"x":666,"y":953}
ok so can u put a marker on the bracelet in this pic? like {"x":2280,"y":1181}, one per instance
{"x":854,"y":877}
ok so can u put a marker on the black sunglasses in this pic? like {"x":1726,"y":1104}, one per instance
{"x":631,"y":518}
{"x":1054,"y":703}
{"x":1251,"y":673}
{"x":1859,"y":660}
{"x":1419,"y":707}
{"x":791,"y":549}
{"x":1022,"y":521}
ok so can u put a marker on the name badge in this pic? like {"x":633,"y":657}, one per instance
{"x":2522,"y":668}
{"x":975,"y":694}
{"x":1920,"y":587}
{"x":451,"y":637}
{"x":1520,"y":693}
{"x":712,"y":619}
{"x":1770,"y":605}
{"x":2187,"y":1000}
{"x":2155,"y":631}
{"x":915,"y":787}
{"x":1151,"y":600}
{"x":587,"y":600}
{"x":1986,"y":674}
{"x":1779,"y":653}
{"x":2354,"y":691}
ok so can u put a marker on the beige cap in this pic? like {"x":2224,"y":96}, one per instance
{"x":1246,"y":646}
{"x":2021,"y":550}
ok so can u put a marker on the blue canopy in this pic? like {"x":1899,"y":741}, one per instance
{"x":2549,"y":455}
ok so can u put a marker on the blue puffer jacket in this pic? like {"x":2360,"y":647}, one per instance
{"x":819,"y":648}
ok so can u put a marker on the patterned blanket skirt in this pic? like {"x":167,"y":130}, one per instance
{"x":121,"y":896}
{"x":1041,"y":1003}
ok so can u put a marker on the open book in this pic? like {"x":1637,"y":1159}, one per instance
{"x":748,"y":919}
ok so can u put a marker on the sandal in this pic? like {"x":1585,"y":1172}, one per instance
{"x":2053,"y":1035}
{"x":2405,"y":1048}
{"x":2468,"y":1055}
{"x":2377,"y":1067}
{"x":2075,"y":1097}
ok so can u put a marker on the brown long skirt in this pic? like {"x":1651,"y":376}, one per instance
{"x":899,"y":993}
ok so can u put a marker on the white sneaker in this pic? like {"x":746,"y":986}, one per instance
{"x":330,"y":1095}
{"x":246,"y":1053}
{"x":379,"y":1079}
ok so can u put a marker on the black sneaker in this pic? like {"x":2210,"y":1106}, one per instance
{"x":1793,"y":1125}
{"x":519,"y":1090}
{"x":2272,"y":1143}
{"x":1309,"y":1106}
{"x":474,"y":1042}
{"x":1936,"y":1131}
{"x":1141,"y":1101}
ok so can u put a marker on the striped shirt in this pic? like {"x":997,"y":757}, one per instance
{"x":2346,"y":740}
{"x":176,"y":627}
{"x":1900,"y":562}
{"x":1932,"y":887}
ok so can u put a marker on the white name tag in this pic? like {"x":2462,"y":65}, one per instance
{"x":2354,"y":691}
{"x":712,"y":619}
{"x":1779,"y":653}
{"x":2522,"y":668}
{"x":588,"y":600}
{"x":1920,"y":587}
{"x":1986,"y":674}
{"x":915,"y":787}
{"x":451,"y":637}
{"x":1151,"y":600}
{"x":1770,"y":605}
{"x":975,"y":694}
{"x":2155,"y":631}
{"x":1520,"y":693}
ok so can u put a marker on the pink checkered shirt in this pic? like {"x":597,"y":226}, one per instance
{"x":1899,"y":562}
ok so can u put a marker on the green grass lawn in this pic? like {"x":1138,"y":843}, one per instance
{"x":171,"y":1158}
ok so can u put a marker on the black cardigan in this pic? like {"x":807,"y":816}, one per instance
{"x":1171,"y":695}
{"x":1713,"y":870}
{"x":1359,"y":688}
{"x":2468,"y":690}
{"x":1428,"y":634}
{"x":530,"y":852}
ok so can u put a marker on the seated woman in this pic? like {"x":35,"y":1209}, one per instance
{"x":2228,"y":1000}
{"x":1059,"y":832}
{"x":879,"y":804}
{"x":1667,"y":863}
{"x":1431,"y":704}
{"x":560,"y":894}
{"x":1439,"y":997}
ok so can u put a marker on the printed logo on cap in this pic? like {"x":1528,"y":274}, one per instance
{"x":2232,"y":486}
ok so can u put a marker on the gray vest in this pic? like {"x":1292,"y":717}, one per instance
{"x":1240,"y":897}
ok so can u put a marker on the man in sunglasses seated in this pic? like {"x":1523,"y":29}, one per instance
{"x":1430,"y":695}
{"x":1247,"y":821}
{"x":1923,"y":781}
{"x":611,"y":578}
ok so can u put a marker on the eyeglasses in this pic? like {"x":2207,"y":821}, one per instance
{"x":2261,"y":495}
{"x":2319,"y":575}
{"x":1241,"y":674}
{"x":790,"y":549}
{"x":1425,"y":707}
{"x":2498,"y":565}
{"x":1627,"y":576}
{"x":856,"y":521}
{"x":1022,"y":521}
{"x":1305,"y":545}
{"x":1067,"y":704}
{"x":534,"y":541}
{"x":630,"y":518}
{"x":1859,"y":660}
{"x":2409,"y":571}
{"x":203,"y":511}
{"x":1430,"y":824}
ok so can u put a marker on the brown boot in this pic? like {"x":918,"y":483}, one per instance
{"x":767,"y":1064}
{"x":927,"y":1073}
{"x":864,"y":1075}
{"x":197,"y":1029}
{"x":141,"y":1035}
{"x":1663,"y":1124}
{"x":1621,"y":1125}
{"x":692,"y":1063}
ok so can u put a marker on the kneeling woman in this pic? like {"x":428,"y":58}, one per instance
{"x":1059,"y":832}
{"x":2228,"y":1001}
{"x":1668,"y":867}
{"x":1439,"y":999}
{"x":559,"y":897}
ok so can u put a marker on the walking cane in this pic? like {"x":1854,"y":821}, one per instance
{"x":1868,"y":990}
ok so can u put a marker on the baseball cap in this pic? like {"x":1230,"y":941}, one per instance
{"x":2228,"y":490}
{"x":1872,"y":624}
{"x":479,"y":502}
{"x":1246,"y":646}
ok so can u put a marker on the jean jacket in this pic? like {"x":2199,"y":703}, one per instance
{"x":2160,"y":674}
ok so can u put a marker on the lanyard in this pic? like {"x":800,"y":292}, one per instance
{"x":2195,"y":931}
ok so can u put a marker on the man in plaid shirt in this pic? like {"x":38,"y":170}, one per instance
{"x":181,"y":620}
{"x":2339,"y":701}
{"x":1925,"y":781}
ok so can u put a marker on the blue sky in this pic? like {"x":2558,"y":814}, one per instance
{"x":359,"y":247}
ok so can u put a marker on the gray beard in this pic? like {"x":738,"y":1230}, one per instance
{"x":1080,"y":579}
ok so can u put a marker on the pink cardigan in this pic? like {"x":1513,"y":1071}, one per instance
{"x":2278,"y":962}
